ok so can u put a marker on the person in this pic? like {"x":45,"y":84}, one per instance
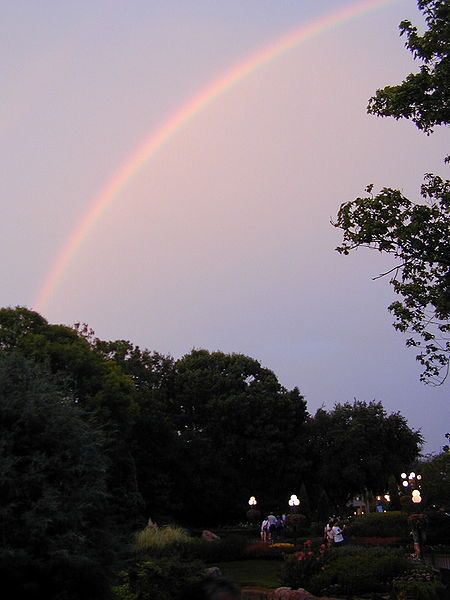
{"x":280,"y":526}
{"x":328,"y":537}
{"x":338,"y":538}
{"x":212,"y":588}
{"x":264,"y":530}
{"x":272,"y":525}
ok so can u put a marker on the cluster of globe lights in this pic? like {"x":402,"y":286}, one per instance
{"x":252,"y":501}
{"x":409,"y":479}
{"x":294,"y":501}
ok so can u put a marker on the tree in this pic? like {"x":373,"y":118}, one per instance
{"x":423,"y":97}
{"x":357,"y":446}
{"x":240,"y":432}
{"x":417,"y":234}
{"x":155,"y":443}
{"x":394,"y":494}
{"x":435,"y":471}
{"x":95,"y":383}
{"x":56,"y":540}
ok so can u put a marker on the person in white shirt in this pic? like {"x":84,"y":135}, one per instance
{"x":264,"y":530}
{"x":272,"y":525}
{"x":338,"y":538}
{"x":328,"y":536}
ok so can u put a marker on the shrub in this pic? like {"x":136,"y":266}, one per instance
{"x":164,"y":579}
{"x":380,"y":541}
{"x":438,"y":528}
{"x":160,"y":541}
{"x":296,"y":521}
{"x":388,"y":524}
{"x":262,"y":550}
{"x":418,"y":584}
{"x":356,"y":570}
{"x":298,"y":568}
{"x":173,"y":541}
{"x":225,"y":549}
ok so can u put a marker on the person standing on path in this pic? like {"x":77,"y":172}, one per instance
{"x":264,"y":530}
{"x":328,"y":537}
{"x":272,"y":525}
{"x":338,"y":538}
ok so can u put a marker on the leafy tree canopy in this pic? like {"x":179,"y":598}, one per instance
{"x":423,"y":97}
{"x":357,"y":446}
{"x":417,"y":234}
{"x":435,"y":471}
{"x":96,"y":383}
{"x":53,"y":489}
{"x":240,"y":430}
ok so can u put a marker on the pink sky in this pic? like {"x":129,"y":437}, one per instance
{"x":223,"y":239}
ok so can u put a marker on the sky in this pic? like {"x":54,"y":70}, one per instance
{"x":221,"y":239}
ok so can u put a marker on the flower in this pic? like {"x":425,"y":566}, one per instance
{"x":283,"y":546}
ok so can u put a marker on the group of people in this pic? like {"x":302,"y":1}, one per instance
{"x":333,"y":533}
{"x":270,"y":526}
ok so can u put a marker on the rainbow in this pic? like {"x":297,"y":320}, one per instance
{"x":163,"y":134}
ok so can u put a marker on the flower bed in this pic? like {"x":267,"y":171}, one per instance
{"x":263,"y":550}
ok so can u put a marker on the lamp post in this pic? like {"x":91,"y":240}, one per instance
{"x":253,"y":513}
{"x":294,"y":502}
{"x":412,"y":482}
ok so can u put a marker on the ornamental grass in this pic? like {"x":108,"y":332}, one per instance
{"x":155,"y":540}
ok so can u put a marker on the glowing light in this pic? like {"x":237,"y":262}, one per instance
{"x":403,"y":475}
{"x":252,"y":501}
{"x":405,"y":484}
{"x":294,"y":501}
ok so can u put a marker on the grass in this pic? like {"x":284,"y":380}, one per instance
{"x":257,"y":572}
{"x":155,"y":538}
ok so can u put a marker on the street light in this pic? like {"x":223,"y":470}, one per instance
{"x":412,"y":481}
{"x":416,"y":497}
{"x":293,"y":501}
{"x":252,"y":501}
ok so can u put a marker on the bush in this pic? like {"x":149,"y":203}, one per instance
{"x":274,"y":551}
{"x":68,"y":577}
{"x":162,"y":579}
{"x":225,"y":549}
{"x":388,"y":524}
{"x":356,"y":570}
{"x":379,"y":541}
{"x":438,"y":528}
{"x":298,"y":568}
{"x":174,"y":541}
{"x":296,"y":525}
{"x":418,"y":584}
{"x":160,"y":541}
